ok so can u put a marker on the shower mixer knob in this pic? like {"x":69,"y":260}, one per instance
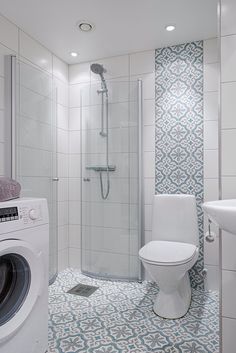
{"x":86,"y":179}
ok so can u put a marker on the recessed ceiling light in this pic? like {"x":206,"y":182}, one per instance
{"x":85,"y":26}
{"x":74,"y":54}
{"x":170,"y":28}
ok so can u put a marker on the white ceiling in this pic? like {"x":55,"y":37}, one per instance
{"x":122,"y":26}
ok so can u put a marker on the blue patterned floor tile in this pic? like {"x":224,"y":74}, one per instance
{"x":119,"y":317}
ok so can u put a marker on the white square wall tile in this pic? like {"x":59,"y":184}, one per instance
{"x":74,"y":189}
{"x":74,"y":141}
{"x":75,"y":118}
{"x":228,"y":293}
{"x":210,"y":51}
{"x":229,"y":187}
{"x":149,"y":190}
{"x":35,"y":52}
{"x":75,"y":258}
{"x":62,"y":117}
{"x":211,"y":189}
{"x":63,"y":165}
{"x":149,"y":112}
{"x":228,"y":152}
{"x":228,"y":58}
{"x":211,"y":164}
{"x":79,"y":95}
{"x":63,"y":189}
{"x":211,"y":135}
{"x":148,"y":217}
{"x":228,"y":25}
{"x":149,"y":138}
{"x":62,"y":141}
{"x":62,"y":92}
{"x":8,"y":34}
{"x":74,"y":166}
{"x":62,"y":213}
{"x":74,"y":236}
{"x":211,"y":105}
{"x":63,"y":237}
{"x":228,"y":334}
{"x":149,"y":164}
{"x":60,"y":69}
{"x":75,"y":212}
{"x":211,"y":77}
{"x":228,"y":105}
{"x":142,"y":62}
{"x":79,"y":73}
{"x":211,"y":252}
{"x":63,"y":260}
{"x":228,"y":251}
{"x":211,"y":281}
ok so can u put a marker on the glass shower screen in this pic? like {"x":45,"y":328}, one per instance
{"x":110,"y":179}
{"x":36,"y":161}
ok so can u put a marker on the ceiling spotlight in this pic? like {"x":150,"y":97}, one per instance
{"x":85,"y":26}
{"x":170,"y":28}
{"x":74,"y":54}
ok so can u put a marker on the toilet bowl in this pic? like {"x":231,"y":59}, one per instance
{"x":172,"y":252}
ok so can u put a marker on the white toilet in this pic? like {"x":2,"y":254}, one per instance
{"x":172,"y":252}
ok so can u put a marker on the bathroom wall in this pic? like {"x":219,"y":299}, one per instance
{"x":14,"y":41}
{"x":186,"y":119}
{"x":228,"y":166}
{"x":179,"y":129}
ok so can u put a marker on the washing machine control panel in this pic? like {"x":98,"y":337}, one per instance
{"x":9,"y":214}
{"x":30,"y":214}
{"x":22,"y":213}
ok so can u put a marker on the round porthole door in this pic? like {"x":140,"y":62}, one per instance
{"x":21,"y":277}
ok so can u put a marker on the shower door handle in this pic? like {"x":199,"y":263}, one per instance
{"x":86,"y":179}
{"x":55,"y":179}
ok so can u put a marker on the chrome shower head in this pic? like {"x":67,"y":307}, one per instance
{"x":97,"y":69}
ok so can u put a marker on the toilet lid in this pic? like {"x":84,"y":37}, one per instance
{"x":167,"y":252}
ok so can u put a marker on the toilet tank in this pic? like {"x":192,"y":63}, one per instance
{"x":174,"y":218}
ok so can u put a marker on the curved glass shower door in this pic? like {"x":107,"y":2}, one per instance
{"x":110,"y":165}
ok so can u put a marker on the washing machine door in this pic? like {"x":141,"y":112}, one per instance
{"x":21,"y":278}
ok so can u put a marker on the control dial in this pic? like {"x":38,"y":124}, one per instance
{"x":33,"y":214}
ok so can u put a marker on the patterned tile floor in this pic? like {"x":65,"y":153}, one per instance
{"x":118,"y":318}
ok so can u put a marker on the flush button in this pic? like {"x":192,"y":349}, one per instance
{"x":33,"y":214}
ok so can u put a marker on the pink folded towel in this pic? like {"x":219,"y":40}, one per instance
{"x":9,"y":189}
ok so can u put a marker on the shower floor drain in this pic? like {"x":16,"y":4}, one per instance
{"x":83,"y":290}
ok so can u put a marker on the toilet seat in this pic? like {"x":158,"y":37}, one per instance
{"x":167,"y":253}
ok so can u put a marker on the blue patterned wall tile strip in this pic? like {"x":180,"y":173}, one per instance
{"x":179,"y":128}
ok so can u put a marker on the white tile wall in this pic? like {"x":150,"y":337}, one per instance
{"x":8,"y":34}
{"x":228,"y":333}
{"x":228,"y":172}
{"x":35,"y":52}
{"x":211,"y":155}
{"x":35,"y":104}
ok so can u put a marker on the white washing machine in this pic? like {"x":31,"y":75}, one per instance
{"x":24,"y":241}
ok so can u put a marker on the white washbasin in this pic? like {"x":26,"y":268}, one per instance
{"x":222,"y":213}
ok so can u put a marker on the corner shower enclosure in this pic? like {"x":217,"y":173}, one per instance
{"x":111,"y":162}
